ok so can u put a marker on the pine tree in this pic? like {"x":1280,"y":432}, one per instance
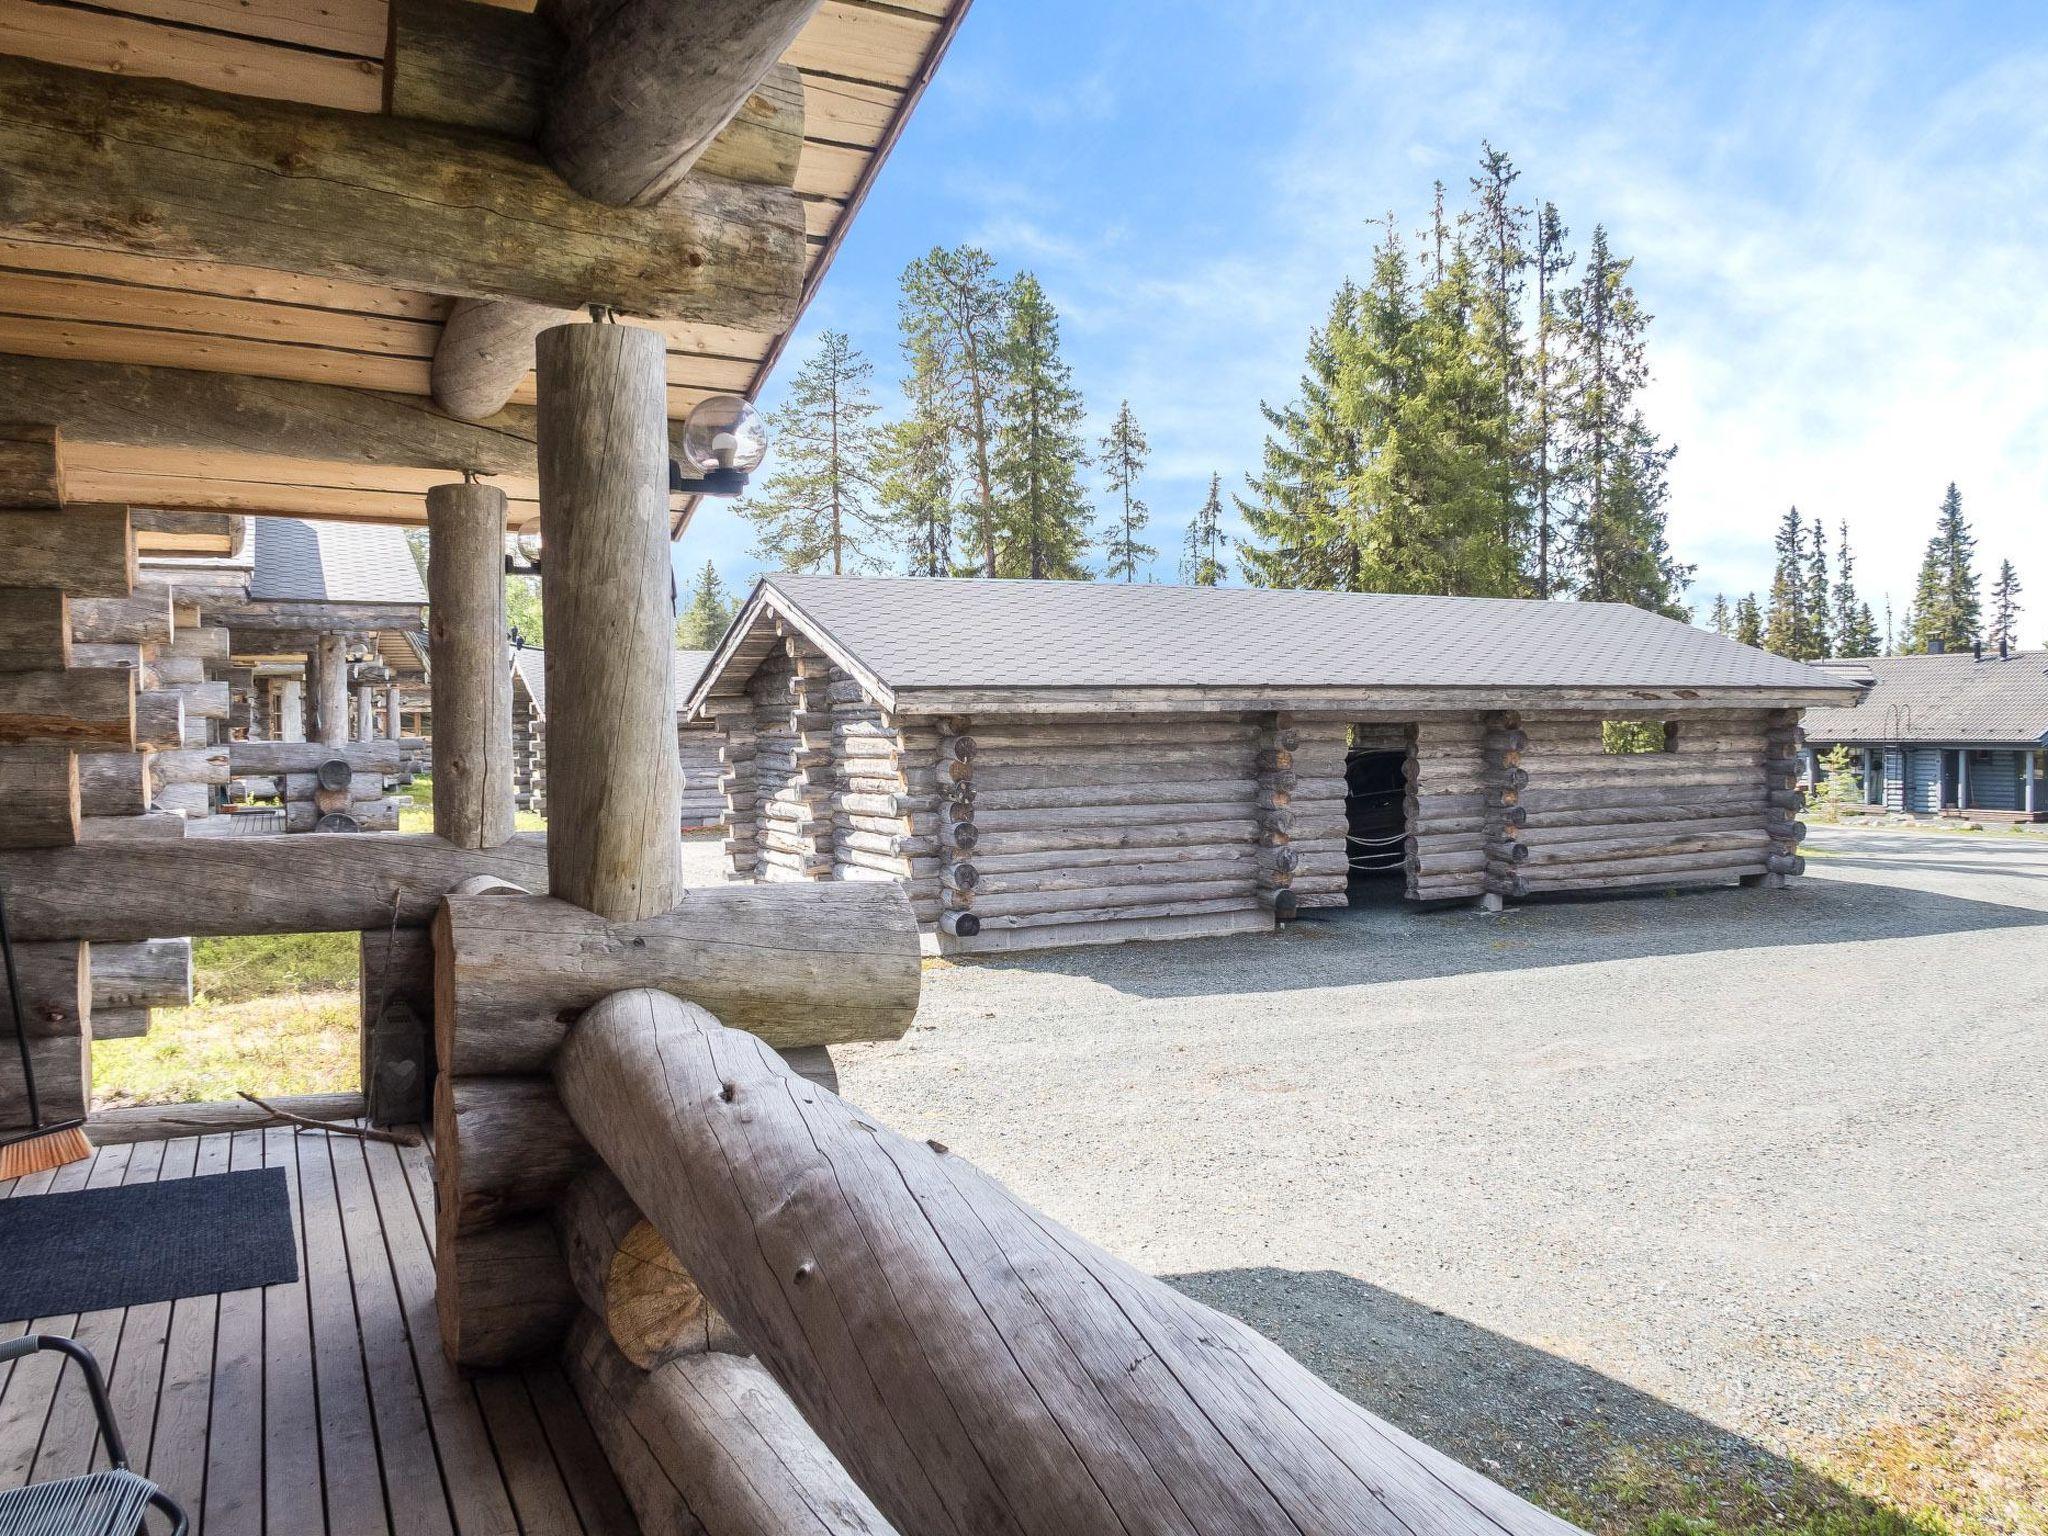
{"x":1615,"y":466}
{"x":1819,"y":609}
{"x":1946,"y":605}
{"x":1201,"y":562}
{"x":1043,"y":512}
{"x":1502,"y":258}
{"x":1723,"y":622}
{"x":1749,"y":621}
{"x":1855,"y":627}
{"x":707,"y":613}
{"x":1549,"y":379}
{"x":2006,"y":608}
{"x":1122,"y":463}
{"x":1301,"y":512}
{"x":953,"y":316}
{"x":818,"y":508}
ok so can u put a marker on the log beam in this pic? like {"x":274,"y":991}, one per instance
{"x":163,"y":169}
{"x":87,"y":550}
{"x":472,"y":683}
{"x":31,"y":461}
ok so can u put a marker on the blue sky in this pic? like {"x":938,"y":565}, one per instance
{"x":1839,"y":218}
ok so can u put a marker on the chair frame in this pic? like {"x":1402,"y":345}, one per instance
{"x":103,"y":1410}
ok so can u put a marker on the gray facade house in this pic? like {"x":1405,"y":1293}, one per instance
{"x":1949,"y":734}
{"x":1045,"y":763}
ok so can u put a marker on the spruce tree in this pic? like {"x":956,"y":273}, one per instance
{"x":1749,"y":621}
{"x":917,"y":488}
{"x":1550,"y":373}
{"x":1787,"y":629}
{"x":1855,"y":627}
{"x":954,"y":316}
{"x":1615,"y":465}
{"x":818,"y":509}
{"x":1042,"y":511}
{"x":1946,"y":605}
{"x":1122,"y":462}
{"x":1301,"y":508}
{"x":1502,"y":256}
{"x":2006,"y":608}
{"x":705,"y":616}
{"x":1201,"y":562}
{"x":1819,"y":611}
{"x":1721,"y":619}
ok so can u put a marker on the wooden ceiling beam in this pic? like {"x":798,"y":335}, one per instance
{"x":157,"y":168}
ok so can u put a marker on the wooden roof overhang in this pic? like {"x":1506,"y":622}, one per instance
{"x":758,"y":629}
{"x":230,"y":235}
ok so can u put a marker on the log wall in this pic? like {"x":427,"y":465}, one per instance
{"x":1450,"y":793}
{"x":1316,"y":806}
{"x":703,"y":794}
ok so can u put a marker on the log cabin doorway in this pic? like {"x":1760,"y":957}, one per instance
{"x":1375,"y":813}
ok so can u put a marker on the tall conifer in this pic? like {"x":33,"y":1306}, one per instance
{"x":1946,"y":605}
{"x":954,"y":317}
{"x":1201,"y":563}
{"x":1749,"y":621}
{"x":1122,"y":462}
{"x":1721,"y":619}
{"x":2006,"y":608}
{"x":1549,"y":382}
{"x":1855,"y":629}
{"x":1043,"y":513}
{"x":818,"y":508}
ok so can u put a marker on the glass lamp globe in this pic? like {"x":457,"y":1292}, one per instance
{"x":527,"y":541}
{"x":725,"y":432}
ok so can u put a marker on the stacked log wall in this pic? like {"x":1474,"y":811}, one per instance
{"x":792,"y":765}
{"x":698,"y":749}
{"x":1322,"y":868}
{"x":1089,"y":831}
{"x":885,"y":811}
{"x":1719,"y":804}
{"x":1451,"y":793}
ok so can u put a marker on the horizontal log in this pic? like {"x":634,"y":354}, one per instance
{"x":1653,"y":844}
{"x":115,"y":783}
{"x":152,"y":826}
{"x":119,"y":1023}
{"x":1179,"y":904}
{"x":35,"y":629}
{"x":287,"y":757}
{"x":39,"y":791}
{"x":163,"y":169}
{"x":1749,"y":807}
{"x":160,"y":719}
{"x":87,"y":550}
{"x":191,"y":765}
{"x":629,"y":1280}
{"x":798,"y":964}
{"x":1157,"y":792}
{"x":56,"y":995}
{"x":154,"y":974}
{"x":707,"y":1442}
{"x":1225,"y":865}
{"x":1104,"y":897}
{"x":31,"y":462}
{"x":503,"y":1148}
{"x":81,"y":708}
{"x":253,"y":885}
{"x":143,"y":617}
{"x":1106,"y":817}
{"x":1628,"y":880}
{"x":502,"y":1293}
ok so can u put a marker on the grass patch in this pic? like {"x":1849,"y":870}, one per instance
{"x":304,"y":1043}
{"x":241,"y":970}
{"x":416,"y":810}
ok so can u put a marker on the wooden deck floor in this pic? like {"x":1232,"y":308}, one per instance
{"x":324,"y":1406}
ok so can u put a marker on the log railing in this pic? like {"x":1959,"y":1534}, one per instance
{"x":971,"y":1365}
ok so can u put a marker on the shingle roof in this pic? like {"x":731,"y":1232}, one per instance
{"x":301,"y":561}
{"x":918,"y":633}
{"x":1951,"y":698}
{"x":530,"y":666}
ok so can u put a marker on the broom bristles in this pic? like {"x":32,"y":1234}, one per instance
{"x":53,"y":1149}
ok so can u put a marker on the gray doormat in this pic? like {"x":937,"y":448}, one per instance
{"x":88,"y":1250}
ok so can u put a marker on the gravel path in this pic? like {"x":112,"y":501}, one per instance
{"x":1754,"y":1166}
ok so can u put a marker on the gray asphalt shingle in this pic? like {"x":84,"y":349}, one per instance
{"x":302,"y":561}
{"x":919,"y":633}
{"x":1951,"y":698}
{"x":530,"y":666}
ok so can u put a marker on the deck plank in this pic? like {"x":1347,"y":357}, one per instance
{"x":184,"y":1406}
{"x":234,"y":1450}
{"x":600,"y":1501}
{"x":292,"y":1493}
{"x":139,"y":1367}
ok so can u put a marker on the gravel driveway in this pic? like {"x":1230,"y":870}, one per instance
{"x":1756,"y":1167}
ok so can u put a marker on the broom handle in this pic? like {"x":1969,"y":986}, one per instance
{"x":28,"y":1067}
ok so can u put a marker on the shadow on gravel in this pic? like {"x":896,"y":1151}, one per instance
{"x":1582,"y":1444}
{"x":1389,"y":940}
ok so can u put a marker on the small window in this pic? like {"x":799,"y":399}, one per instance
{"x":1626,"y":738}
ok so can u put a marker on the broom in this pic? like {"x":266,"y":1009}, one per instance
{"x":40,"y":1146}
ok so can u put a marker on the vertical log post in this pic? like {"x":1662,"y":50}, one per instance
{"x":366,"y":711}
{"x":331,"y":697}
{"x":392,"y":708}
{"x":472,"y":679}
{"x":614,"y":781}
{"x":291,"y":709}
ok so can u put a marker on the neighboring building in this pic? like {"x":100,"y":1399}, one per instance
{"x":1064,"y":762}
{"x":1945,"y":734}
{"x":697,"y":742}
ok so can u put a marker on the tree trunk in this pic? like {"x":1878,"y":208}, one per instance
{"x":472,"y":673}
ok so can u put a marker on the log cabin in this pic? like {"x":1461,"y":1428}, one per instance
{"x":697,"y":741}
{"x":1046,"y":763}
{"x":1950,"y":734}
{"x":470,"y":267}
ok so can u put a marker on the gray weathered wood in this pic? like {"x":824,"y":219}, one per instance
{"x":40,"y":792}
{"x":503,"y":1148}
{"x":486,"y":351}
{"x":330,"y":690}
{"x":31,"y":460}
{"x":165,"y":169}
{"x":288,"y":757}
{"x":88,"y":550}
{"x":35,"y":629}
{"x":139,"y":890}
{"x":115,"y":783}
{"x":472,"y":683}
{"x":882,"y":1282}
{"x":709,"y":1445}
{"x":614,"y":783}
{"x":142,"y":618}
{"x":646,"y":87}
{"x":154,"y":974}
{"x":628,"y":1279}
{"x":81,"y":707}
{"x":800,"y":964}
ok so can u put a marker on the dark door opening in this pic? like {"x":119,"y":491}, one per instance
{"x":1376,"y":820}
